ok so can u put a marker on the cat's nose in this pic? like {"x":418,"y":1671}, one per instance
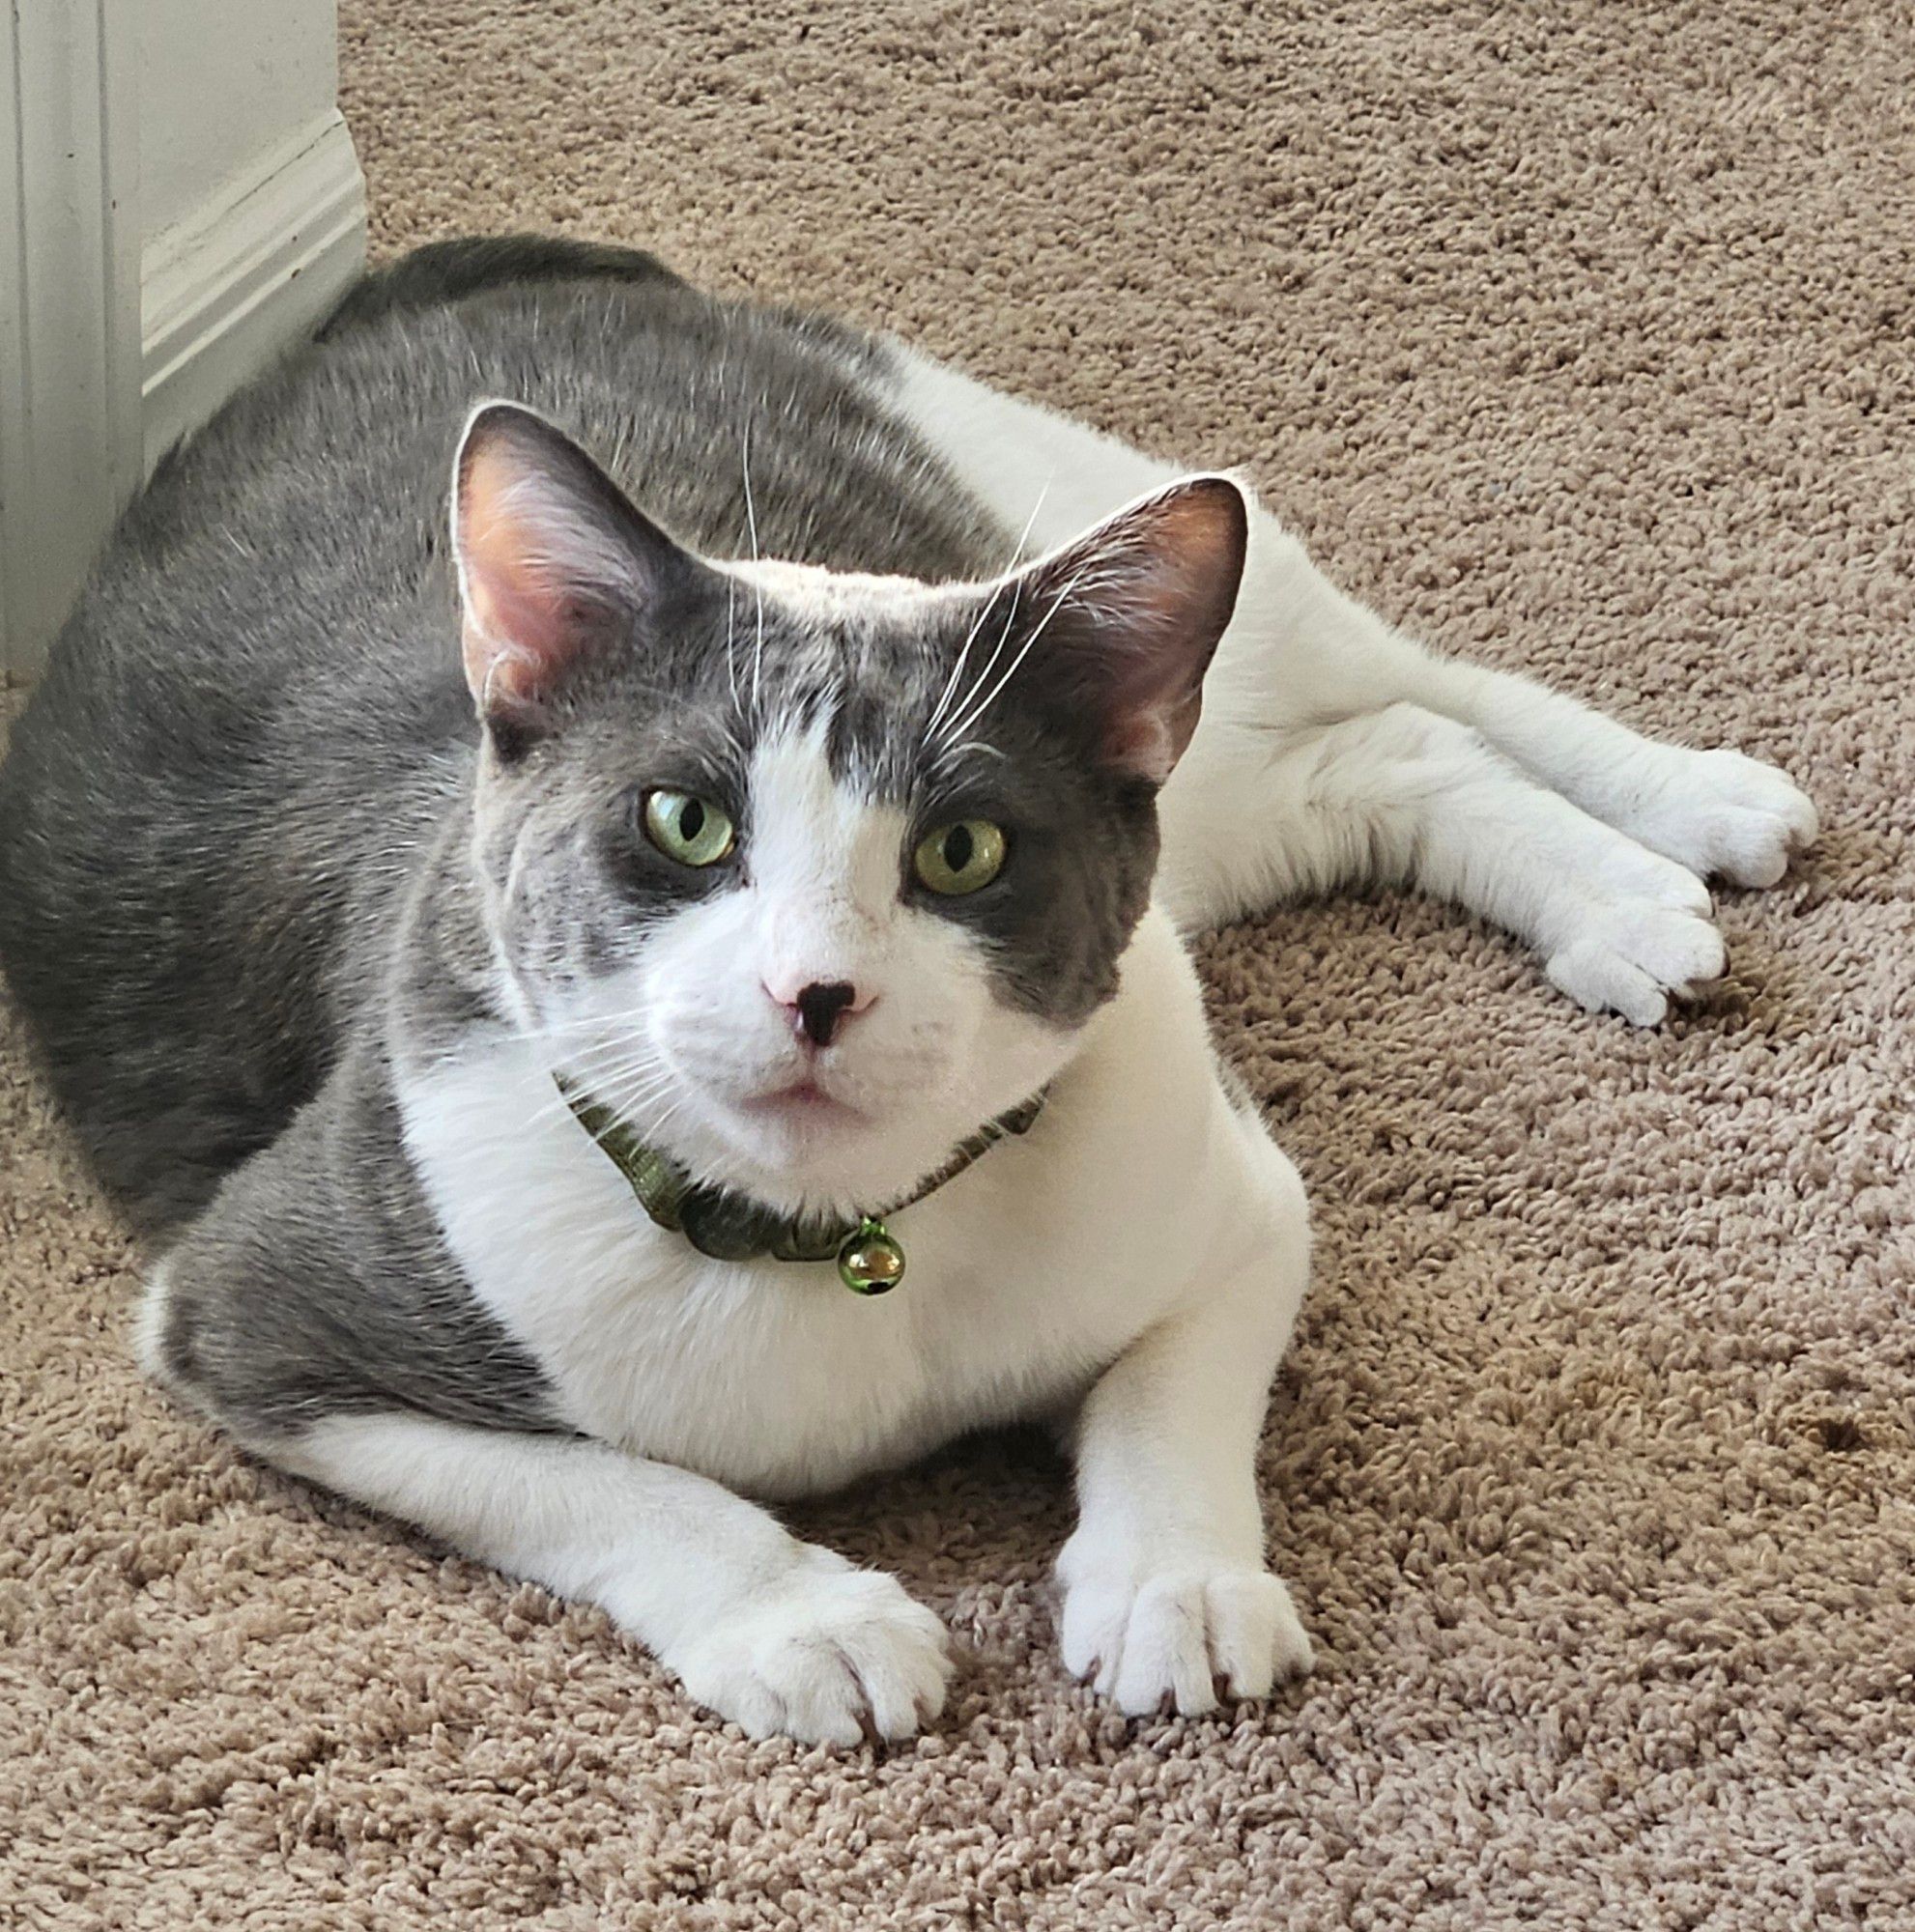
{"x":819,"y":1011}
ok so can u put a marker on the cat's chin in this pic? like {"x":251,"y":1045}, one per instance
{"x":808,"y":1156}
{"x":801,"y":1150}
{"x":819,"y":1138}
{"x":804,"y":1107}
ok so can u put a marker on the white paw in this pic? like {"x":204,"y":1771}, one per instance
{"x":1190,"y":1634}
{"x":1631,"y":956}
{"x":1723,"y":816}
{"x":829,"y":1655}
{"x":1624,"y":929}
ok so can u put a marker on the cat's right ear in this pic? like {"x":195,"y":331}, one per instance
{"x":554,"y":564}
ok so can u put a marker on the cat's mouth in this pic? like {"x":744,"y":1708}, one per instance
{"x":803,"y":1102}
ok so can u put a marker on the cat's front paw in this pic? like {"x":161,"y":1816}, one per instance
{"x":1723,"y":816}
{"x":1188,"y":1634}
{"x":827,"y":1655}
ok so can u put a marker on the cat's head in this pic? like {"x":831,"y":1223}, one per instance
{"x":804,"y":874}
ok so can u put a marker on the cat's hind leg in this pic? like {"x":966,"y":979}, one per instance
{"x":1300,"y":652}
{"x":1403,"y":796}
{"x":1722,"y":815}
{"x":1334,"y":748}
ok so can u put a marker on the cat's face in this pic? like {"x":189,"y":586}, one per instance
{"x":807,"y":876}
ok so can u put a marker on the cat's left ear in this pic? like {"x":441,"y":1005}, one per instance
{"x":555,"y":563}
{"x":1116,"y":630}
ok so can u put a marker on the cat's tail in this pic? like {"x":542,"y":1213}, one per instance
{"x":444,"y":271}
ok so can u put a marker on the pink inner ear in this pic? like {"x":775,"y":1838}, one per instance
{"x":1144,"y":599}
{"x":516,"y":613}
{"x":537,"y":568}
{"x":1150,"y":741}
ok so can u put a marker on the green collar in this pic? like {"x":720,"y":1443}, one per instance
{"x":732,"y":1226}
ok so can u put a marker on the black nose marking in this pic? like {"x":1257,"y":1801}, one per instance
{"x":821,"y":1008}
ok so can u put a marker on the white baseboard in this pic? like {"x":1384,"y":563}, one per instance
{"x":224,"y":294}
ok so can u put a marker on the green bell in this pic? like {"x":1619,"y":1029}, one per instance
{"x":870,"y":1262}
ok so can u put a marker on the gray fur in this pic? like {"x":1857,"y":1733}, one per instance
{"x":238,"y":880}
{"x":318,"y":1285}
{"x":446,"y":272}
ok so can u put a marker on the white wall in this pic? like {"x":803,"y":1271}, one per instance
{"x":70,"y":444}
{"x":222,"y":83}
{"x":252,"y":211}
{"x":178,"y":202}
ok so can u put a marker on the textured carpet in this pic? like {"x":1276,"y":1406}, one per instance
{"x":1577,"y":337}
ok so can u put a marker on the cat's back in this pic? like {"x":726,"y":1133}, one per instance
{"x":255,"y":723}
{"x":304,"y":529}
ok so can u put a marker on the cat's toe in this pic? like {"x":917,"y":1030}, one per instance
{"x":1632,"y":958}
{"x":1256,"y":1637}
{"x":832,"y":1657}
{"x":1188,"y":1637}
{"x":1601,"y":981}
{"x":1728,"y":816}
{"x":1632,"y":946}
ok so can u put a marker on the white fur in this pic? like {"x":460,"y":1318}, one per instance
{"x":1135,"y":1262}
{"x":149,"y":1322}
{"x":777,"y":1635}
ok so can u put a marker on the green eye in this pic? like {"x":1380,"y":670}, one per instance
{"x":961,"y":857}
{"x":691,"y":830}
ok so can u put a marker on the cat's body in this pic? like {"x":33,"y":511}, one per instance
{"x":304,"y":960}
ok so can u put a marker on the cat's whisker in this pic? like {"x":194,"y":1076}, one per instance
{"x":601,"y":1079}
{"x":946,"y":730}
{"x":636,"y":1113}
{"x":731,"y":636}
{"x":752,"y":525}
{"x":584,"y":1021}
{"x":554,"y":1030}
{"x":1031,"y":521}
{"x":956,"y":670}
{"x":641,"y":1113}
{"x":623,"y":1051}
{"x":602,"y":1087}
{"x":971,"y":639}
{"x":597,"y":1073}
{"x":965,"y":651}
{"x":606,"y":1022}
{"x":978,"y":710}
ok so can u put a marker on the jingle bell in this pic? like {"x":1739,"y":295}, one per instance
{"x":871,"y":1261}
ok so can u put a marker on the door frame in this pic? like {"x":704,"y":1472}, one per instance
{"x":113,"y":346}
{"x":70,"y":448}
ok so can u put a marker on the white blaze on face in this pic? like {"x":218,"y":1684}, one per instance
{"x":824,"y":867}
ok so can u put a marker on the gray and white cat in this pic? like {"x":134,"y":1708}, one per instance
{"x":445,"y":891}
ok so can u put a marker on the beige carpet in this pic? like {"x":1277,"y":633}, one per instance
{"x":1578,"y":338}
